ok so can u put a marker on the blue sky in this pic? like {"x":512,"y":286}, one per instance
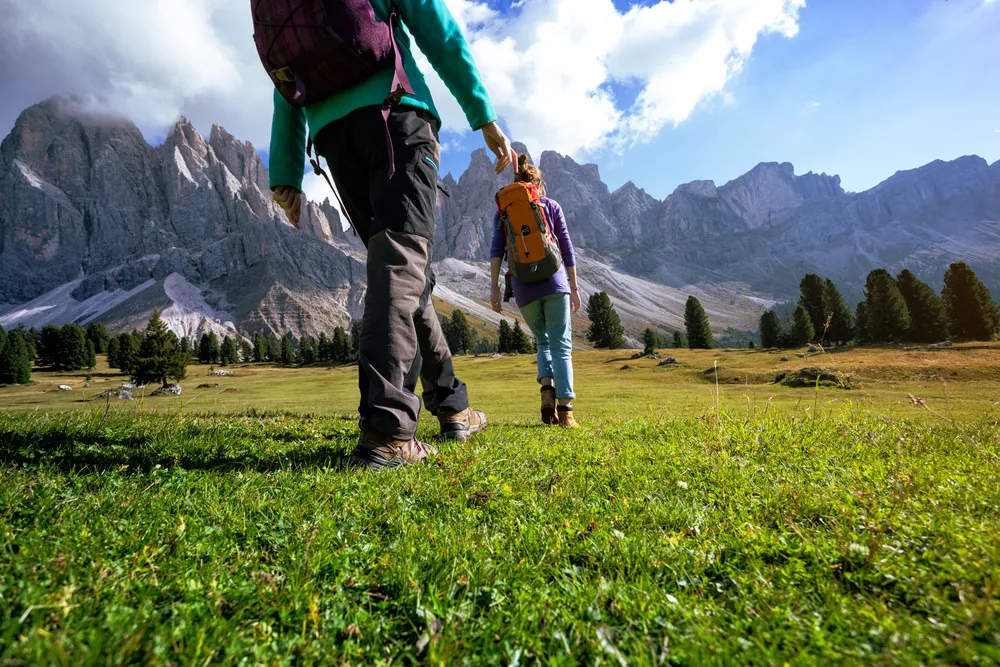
{"x":864,"y":89}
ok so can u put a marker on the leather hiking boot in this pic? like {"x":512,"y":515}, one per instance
{"x":378,"y":453}
{"x":566,"y":417}
{"x":549,"y":405}
{"x":460,"y":425}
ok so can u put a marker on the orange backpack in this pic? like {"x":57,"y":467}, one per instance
{"x":533,"y":253}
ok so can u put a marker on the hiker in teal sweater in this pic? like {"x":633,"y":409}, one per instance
{"x":386,"y":171}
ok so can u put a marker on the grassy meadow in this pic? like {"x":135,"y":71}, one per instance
{"x":702,"y":515}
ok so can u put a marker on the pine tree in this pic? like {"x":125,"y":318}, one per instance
{"x":606,"y":330}
{"x":519,"y":340}
{"x":813,"y":300}
{"x":287,"y":351}
{"x":771,"y":332}
{"x":113,"y":348}
{"x":927,"y":318}
{"x":355,"y":340}
{"x":888,"y":320}
{"x":32,"y":342}
{"x":15,"y":364}
{"x":323,"y":347}
{"x":699,"y":334}
{"x":214,"y":350}
{"x":679,"y":341}
{"x":229,"y":354}
{"x":841,"y":329}
{"x":204,"y":350}
{"x":128,"y":352}
{"x":246,"y":352}
{"x":72,"y":348}
{"x":802,"y":328}
{"x":649,"y":341}
{"x":971,"y":312}
{"x":160,"y":358}
{"x":504,"y":345}
{"x":259,"y":349}
{"x":340,"y":346}
{"x":307,"y":351}
{"x":861,"y":323}
{"x":91,"y":355}
{"x":50,"y":344}
{"x":752,"y":345}
{"x":458,"y":333}
{"x":97,"y":333}
{"x":273,"y":348}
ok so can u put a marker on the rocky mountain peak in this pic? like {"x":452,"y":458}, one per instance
{"x":770,"y":188}
{"x":699,"y":189}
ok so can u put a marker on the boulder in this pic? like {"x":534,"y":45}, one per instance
{"x":223,"y":373}
{"x":169,"y":390}
{"x":785,"y":358}
{"x":65,"y":387}
{"x":125,"y":395}
{"x":669,"y":361}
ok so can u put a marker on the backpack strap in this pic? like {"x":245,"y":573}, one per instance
{"x":319,"y":171}
{"x":400,"y":86}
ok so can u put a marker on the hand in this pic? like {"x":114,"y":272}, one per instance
{"x":499,"y":145}
{"x":495,"y":299}
{"x":290,"y":200}
{"x":574,"y":301}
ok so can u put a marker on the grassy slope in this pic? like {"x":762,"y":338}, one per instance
{"x":662,"y":531}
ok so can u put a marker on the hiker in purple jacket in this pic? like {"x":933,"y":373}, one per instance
{"x":547,"y":307}
{"x":345,"y":77}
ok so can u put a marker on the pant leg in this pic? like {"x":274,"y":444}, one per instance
{"x":399,"y":251}
{"x":443,"y":392}
{"x":559,"y":326}
{"x":534,"y":317}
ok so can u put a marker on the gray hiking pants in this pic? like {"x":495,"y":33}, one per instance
{"x":401,"y":337}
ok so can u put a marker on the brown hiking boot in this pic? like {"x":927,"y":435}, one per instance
{"x":566,"y":417}
{"x":460,"y":425}
{"x":549,"y":405}
{"x":376,"y":452}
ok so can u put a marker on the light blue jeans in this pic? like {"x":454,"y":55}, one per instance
{"x":549,"y":320}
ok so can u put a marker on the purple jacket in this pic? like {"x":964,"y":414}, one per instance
{"x":525,"y":293}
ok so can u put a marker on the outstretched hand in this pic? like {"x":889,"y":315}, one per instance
{"x":290,"y":200}
{"x":499,"y":145}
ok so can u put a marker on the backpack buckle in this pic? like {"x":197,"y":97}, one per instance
{"x":285,"y":75}
{"x":396,"y":96}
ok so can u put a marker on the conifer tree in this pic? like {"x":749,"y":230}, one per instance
{"x":771,"y":332}
{"x":520,"y":341}
{"x":971,"y":312}
{"x":458,"y":333}
{"x":128,"y":352}
{"x":887,"y":318}
{"x":91,"y":355}
{"x":841,"y":329}
{"x":15,"y":364}
{"x":699,"y":333}
{"x":649,"y":341}
{"x":287,"y":350}
{"x":927,"y":319}
{"x":113,"y":348}
{"x":72,"y":353}
{"x":50,"y":343}
{"x":204,"y":350}
{"x":160,"y":358}
{"x":323,"y":347}
{"x":679,"y":341}
{"x":355,"y":339}
{"x":504,"y":344}
{"x":606,"y":330}
{"x":813,"y":300}
{"x":259,"y":349}
{"x":229,"y":353}
{"x":802,"y":328}
{"x":97,"y":333}
{"x":246,"y":351}
{"x":273,"y":348}
{"x":340,"y":346}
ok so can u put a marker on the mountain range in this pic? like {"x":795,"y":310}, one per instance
{"x":98,"y":225}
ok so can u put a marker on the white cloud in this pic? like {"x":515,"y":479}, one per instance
{"x":548,"y":67}
{"x":813,"y":104}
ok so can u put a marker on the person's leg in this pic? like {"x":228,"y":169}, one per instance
{"x":560,"y":329}
{"x":534,"y":317}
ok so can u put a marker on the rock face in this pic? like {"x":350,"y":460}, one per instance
{"x":94,"y":221}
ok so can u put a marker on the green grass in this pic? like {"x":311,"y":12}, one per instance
{"x":818,"y":527}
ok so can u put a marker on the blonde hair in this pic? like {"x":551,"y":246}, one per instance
{"x":529,"y":173}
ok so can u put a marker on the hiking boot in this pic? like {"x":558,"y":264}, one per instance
{"x":378,"y":453}
{"x":549,"y":405}
{"x":566,"y":417}
{"x":460,"y":425}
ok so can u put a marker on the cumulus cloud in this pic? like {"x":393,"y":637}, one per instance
{"x":552,"y":66}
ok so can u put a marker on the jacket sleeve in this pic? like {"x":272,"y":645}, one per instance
{"x":497,"y":249}
{"x":440,"y":38}
{"x":562,"y":234}
{"x":287,"y":160}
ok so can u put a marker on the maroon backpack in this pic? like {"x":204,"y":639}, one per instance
{"x":313,"y":49}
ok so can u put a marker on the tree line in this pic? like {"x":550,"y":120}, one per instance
{"x":893,"y":310}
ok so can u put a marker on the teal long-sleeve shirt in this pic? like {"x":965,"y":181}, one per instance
{"x":439,"y":37}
